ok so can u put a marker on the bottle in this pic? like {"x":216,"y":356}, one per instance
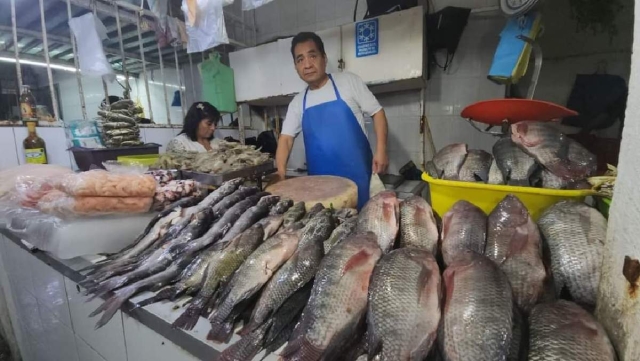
{"x":35,"y":150}
{"x":28,"y":104}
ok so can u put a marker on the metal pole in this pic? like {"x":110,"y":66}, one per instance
{"x":144,"y":68}
{"x":122,"y":54}
{"x":104,"y":83}
{"x":54,"y":98}
{"x":193,"y":79}
{"x":83,"y":105}
{"x":164,"y":86}
{"x":15,"y":45}
{"x":178,"y":72}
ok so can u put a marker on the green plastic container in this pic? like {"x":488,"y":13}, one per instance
{"x":144,"y":159}
{"x":603,"y":205}
{"x":218,"y":86}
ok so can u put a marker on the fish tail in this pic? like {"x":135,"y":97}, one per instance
{"x":164,"y":294}
{"x":301,"y":349}
{"x":111,"y":306}
{"x":189,"y":318}
{"x":249,"y":327}
{"x":221,"y":332}
{"x":243,"y":350}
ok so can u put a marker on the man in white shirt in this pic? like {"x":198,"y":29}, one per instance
{"x":330,"y":113}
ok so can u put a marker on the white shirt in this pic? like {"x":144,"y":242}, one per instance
{"x":352,"y":90}
{"x":182,"y":143}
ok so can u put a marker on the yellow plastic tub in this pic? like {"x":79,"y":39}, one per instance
{"x":145,"y":159}
{"x":445,"y":193}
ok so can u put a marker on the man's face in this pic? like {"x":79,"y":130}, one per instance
{"x":311,"y":64}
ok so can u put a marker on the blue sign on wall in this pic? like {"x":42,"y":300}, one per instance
{"x":367,"y":38}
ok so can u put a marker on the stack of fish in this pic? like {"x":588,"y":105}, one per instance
{"x":388,"y":283}
{"x":536,"y":155}
{"x":118,"y":123}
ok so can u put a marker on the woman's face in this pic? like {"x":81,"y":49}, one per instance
{"x":206,"y":129}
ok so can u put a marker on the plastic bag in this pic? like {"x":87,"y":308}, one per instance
{"x":89,"y":32}
{"x":100,"y":183}
{"x":205,"y":24}
{"x":83,"y":133}
{"x":252,"y":4}
{"x":12,"y":177}
{"x":61,"y":204}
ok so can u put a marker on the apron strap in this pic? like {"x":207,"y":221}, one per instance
{"x":306,"y":92}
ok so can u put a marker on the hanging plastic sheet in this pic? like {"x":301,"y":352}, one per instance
{"x":252,"y":4}
{"x":205,"y":24}
{"x":89,"y":32}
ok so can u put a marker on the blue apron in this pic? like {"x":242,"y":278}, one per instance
{"x":336,"y":144}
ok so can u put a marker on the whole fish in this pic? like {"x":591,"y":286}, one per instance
{"x":294,"y":274}
{"x":516,"y":166}
{"x":242,"y":193}
{"x":111,"y":305}
{"x":418,"y":227}
{"x":562,"y":330}
{"x":464,"y":227}
{"x":404,"y":305}
{"x":157,"y":261}
{"x":289,"y":312}
{"x":219,"y":194}
{"x":447,"y":162}
{"x":318,"y":228}
{"x":251,"y":216}
{"x":340,"y":233}
{"x":495,"y":174}
{"x":575,"y":234}
{"x":513,"y":242}
{"x":558,"y":153}
{"x":312,"y":212}
{"x":281,"y":208}
{"x":247,"y":347}
{"x":271,"y":224}
{"x":221,"y":227}
{"x":251,"y":276}
{"x":219,"y":270}
{"x":476,"y":166}
{"x":380,"y":216}
{"x":477,"y":319}
{"x":338,"y":300}
{"x":280,"y":339}
{"x":294,"y":214}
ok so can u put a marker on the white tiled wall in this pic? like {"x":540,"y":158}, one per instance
{"x":13,"y":153}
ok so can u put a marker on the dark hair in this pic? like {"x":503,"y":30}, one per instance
{"x":198,"y":112}
{"x":303,"y":38}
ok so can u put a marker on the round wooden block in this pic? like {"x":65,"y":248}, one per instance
{"x":336,"y":192}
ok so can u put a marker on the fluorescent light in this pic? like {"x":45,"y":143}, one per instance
{"x":37,"y":63}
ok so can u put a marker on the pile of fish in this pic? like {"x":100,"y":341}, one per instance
{"x":118,"y":124}
{"x":223,"y":158}
{"x":389,"y":283}
{"x":535,"y":154}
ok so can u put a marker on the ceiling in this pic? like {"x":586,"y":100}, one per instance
{"x":30,"y":39}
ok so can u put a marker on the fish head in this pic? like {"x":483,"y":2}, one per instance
{"x":529,"y":134}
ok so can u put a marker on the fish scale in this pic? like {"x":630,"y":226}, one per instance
{"x":464,"y":227}
{"x":477,"y":318}
{"x":447,"y":162}
{"x":418,"y":226}
{"x":341,"y":232}
{"x":404,"y":305}
{"x":563,"y":331}
{"x":380,"y":216}
{"x":294,"y":214}
{"x":476,"y":166}
{"x":338,"y":299}
{"x":515,"y":165}
{"x":575,"y":234}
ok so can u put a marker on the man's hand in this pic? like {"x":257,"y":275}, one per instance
{"x":380,"y":162}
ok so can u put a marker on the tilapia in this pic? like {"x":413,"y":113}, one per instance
{"x":344,"y":214}
{"x":404,"y":305}
{"x":242,"y":193}
{"x":513,"y":242}
{"x":318,"y":228}
{"x":338,"y":300}
{"x":562,"y":330}
{"x":247,"y":347}
{"x":340,"y":233}
{"x":219,"y":270}
{"x":111,"y":305}
{"x":251,"y":216}
{"x":251,"y":276}
{"x":418,"y":227}
{"x":447,"y":162}
{"x":294,"y":214}
{"x":477,"y":319}
{"x":558,"y":153}
{"x":281,"y":208}
{"x":495,"y":174}
{"x":380,"y":216}
{"x":476,"y":166}
{"x":464,"y":227}
{"x":515,"y":165}
{"x":221,"y":227}
{"x":271,"y":224}
{"x":576,"y":235}
{"x":289,"y":312}
{"x":280,"y":339}
{"x":312,"y":212}
{"x":294,"y":274}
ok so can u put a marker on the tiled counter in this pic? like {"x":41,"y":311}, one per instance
{"x":50,"y":316}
